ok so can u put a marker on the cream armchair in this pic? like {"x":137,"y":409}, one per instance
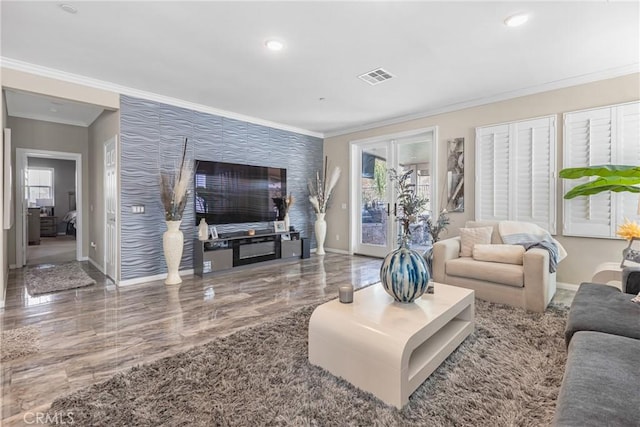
{"x":529,"y":285}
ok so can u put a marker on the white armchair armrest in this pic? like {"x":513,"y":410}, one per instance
{"x":443,"y":251}
{"x":536,"y":279}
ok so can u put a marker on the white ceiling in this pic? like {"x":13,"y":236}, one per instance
{"x":49,"y":109}
{"x":445,"y":55}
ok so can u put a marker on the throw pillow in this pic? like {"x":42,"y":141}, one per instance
{"x":505,"y":254}
{"x":472,"y":236}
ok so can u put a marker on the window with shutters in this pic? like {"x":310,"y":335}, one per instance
{"x":515,"y":172}
{"x":601,"y":136}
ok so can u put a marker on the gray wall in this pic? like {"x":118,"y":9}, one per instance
{"x":64,"y":181}
{"x":151,"y":137}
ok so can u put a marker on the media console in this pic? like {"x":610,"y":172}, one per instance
{"x":236,"y":249}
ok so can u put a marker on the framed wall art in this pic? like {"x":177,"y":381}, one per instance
{"x":455,"y":175}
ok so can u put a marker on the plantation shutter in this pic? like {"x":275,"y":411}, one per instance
{"x":492,"y":173}
{"x":601,"y":136}
{"x":628,"y":153}
{"x":535,"y":149}
{"x":515,"y":172}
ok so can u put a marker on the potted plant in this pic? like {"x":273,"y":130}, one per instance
{"x":616,"y":178}
{"x":404,"y":273}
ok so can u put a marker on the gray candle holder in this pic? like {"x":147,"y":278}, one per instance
{"x":346,"y":294}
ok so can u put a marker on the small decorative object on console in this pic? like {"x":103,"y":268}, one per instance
{"x":251,"y":232}
{"x":213,"y":231}
{"x":203,"y":230}
{"x":279,"y":226}
{"x":630,"y":231}
{"x":346,"y":294}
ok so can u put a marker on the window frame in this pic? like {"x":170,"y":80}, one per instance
{"x":51,"y":187}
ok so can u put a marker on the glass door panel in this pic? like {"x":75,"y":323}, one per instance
{"x":373,"y":221}
{"x":415,"y":154}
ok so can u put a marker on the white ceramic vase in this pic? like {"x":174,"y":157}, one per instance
{"x":286,"y":222}
{"x":173,"y":243}
{"x":321,"y":232}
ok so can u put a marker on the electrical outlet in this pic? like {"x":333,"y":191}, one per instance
{"x":337,"y":237}
{"x":137,"y":209}
{"x":344,"y":206}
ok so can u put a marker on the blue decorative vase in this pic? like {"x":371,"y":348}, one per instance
{"x":404,"y":274}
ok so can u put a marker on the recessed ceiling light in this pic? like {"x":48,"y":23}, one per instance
{"x":274,"y":45}
{"x":69,"y":8}
{"x":516,"y":20}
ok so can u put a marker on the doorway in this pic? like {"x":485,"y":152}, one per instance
{"x":375,"y":228}
{"x":48,"y":213}
{"x":51,"y":216}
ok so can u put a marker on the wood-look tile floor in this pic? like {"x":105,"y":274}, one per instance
{"x":89,"y":334}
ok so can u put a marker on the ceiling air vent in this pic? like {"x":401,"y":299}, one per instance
{"x":376,"y":76}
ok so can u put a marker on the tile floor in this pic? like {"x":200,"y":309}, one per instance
{"x":89,"y":334}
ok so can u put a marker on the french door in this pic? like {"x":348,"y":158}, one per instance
{"x":375,"y":227}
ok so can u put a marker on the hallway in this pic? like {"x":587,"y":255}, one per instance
{"x":52,"y":250}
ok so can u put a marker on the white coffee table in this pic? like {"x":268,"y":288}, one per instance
{"x":388,"y":348}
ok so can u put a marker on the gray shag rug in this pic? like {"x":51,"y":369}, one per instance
{"x":507,"y":373}
{"x":47,"y":278}
{"x":19,"y":342}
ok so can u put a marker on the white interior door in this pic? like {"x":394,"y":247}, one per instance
{"x":111,"y":208}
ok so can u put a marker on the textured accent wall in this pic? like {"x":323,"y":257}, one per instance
{"x":151,"y":136}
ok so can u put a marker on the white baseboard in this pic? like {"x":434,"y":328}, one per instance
{"x":139,"y":280}
{"x":96,"y":265}
{"x":337,"y":251}
{"x":83,"y":258}
{"x":4,"y":291}
{"x":567,"y":286}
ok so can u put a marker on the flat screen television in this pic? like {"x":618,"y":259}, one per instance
{"x":228,"y":193}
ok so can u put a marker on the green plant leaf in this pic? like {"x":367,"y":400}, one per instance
{"x":601,"y":170}
{"x":610,"y":183}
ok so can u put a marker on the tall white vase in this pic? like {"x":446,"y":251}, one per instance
{"x":286,"y":222}
{"x":321,"y":232}
{"x":173,"y":243}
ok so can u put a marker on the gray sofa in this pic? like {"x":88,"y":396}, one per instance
{"x":601,"y":383}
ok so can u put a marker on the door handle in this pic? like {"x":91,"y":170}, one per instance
{"x":388,"y":209}
{"x":395,"y":209}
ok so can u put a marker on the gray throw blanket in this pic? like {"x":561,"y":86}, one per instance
{"x":529,"y":241}
{"x":529,"y":236}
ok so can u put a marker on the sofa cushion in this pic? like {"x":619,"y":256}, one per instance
{"x":603,"y":308}
{"x":601,"y":382}
{"x":472,"y":236}
{"x":496,"y":239}
{"x":506,"y":254}
{"x":505,"y":274}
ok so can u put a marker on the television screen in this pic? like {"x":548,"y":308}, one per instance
{"x":228,"y":193}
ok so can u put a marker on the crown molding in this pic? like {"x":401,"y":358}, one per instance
{"x":39,"y":70}
{"x":45,"y":118}
{"x":531,"y":90}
